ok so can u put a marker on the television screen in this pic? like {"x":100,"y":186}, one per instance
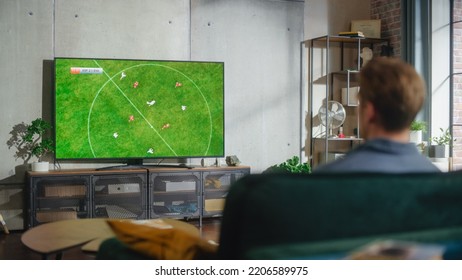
{"x":138,"y":109}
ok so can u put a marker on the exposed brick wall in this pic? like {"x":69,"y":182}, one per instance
{"x":389,"y":12}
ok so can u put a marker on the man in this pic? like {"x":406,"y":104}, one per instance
{"x":391,"y":94}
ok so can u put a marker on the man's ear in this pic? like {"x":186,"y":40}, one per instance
{"x":370,"y":114}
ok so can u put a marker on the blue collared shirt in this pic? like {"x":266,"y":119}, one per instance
{"x":381,"y":155}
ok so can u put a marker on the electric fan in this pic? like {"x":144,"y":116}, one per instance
{"x":332,"y":116}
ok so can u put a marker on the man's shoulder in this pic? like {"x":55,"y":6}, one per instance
{"x":380,"y":156}
{"x":346,"y":163}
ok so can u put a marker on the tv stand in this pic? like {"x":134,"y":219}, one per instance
{"x":129,"y":166}
{"x":181,"y":165}
{"x":121,"y":167}
{"x":150,"y":192}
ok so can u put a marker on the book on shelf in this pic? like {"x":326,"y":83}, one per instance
{"x":354,"y":34}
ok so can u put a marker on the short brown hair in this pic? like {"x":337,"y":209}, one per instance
{"x":394,"y":88}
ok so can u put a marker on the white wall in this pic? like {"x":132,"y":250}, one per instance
{"x":259,"y":41}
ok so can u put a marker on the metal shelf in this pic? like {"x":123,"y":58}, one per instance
{"x":338,"y":64}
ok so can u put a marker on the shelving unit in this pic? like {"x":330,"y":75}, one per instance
{"x":177,"y":193}
{"x":334,"y":64}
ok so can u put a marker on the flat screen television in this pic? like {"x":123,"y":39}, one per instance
{"x":130,"y":110}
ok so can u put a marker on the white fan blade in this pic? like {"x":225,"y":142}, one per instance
{"x":334,"y":107}
{"x":339,"y":116}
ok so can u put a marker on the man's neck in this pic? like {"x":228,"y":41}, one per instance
{"x":400,"y":136}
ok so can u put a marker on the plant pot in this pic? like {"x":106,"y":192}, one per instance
{"x":41,"y":166}
{"x":415,"y":136}
{"x":437,"y":151}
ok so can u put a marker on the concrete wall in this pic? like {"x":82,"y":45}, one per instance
{"x":27,"y":40}
{"x":259,"y":41}
{"x":143,"y":29}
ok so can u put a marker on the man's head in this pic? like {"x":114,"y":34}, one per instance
{"x":391,"y":94}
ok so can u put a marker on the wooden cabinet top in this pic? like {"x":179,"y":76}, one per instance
{"x":151,"y":169}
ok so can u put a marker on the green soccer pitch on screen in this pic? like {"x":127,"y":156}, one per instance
{"x":138,"y":109}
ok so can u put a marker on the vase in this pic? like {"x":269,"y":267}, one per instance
{"x":415,"y":136}
{"x":40,"y":166}
{"x":437,"y":151}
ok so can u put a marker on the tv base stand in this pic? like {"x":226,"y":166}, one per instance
{"x":129,"y":193}
{"x":144,"y":166}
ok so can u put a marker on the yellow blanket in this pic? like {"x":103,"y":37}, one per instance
{"x":163,"y":240}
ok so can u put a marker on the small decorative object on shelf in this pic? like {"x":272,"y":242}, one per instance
{"x":232,"y":161}
{"x":332,"y":116}
{"x":370,"y":28}
{"x":350,"y":96}
{"x":211,"y":162}
{"x":340,"y":132}
{"x":366,"y":55}
{"x":354,"y":34}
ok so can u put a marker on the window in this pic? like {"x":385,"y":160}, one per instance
{"x":456,"y":81}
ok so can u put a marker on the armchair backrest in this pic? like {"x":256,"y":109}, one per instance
{"x":273,"y":209}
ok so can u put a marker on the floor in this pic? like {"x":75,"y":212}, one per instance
{"x":11,"y":247}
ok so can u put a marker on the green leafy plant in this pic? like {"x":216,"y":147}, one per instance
{"x":444,"y":139}
{"x":292,"y":165}
{"x":418,"y":125}
{"x":35,"y":140}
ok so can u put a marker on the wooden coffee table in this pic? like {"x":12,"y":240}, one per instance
{"x":57,"y":237}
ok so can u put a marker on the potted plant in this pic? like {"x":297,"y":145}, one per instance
{"x":37,"y":144}
{"x":440,"y":144}
{"x":292,"y":165}
{"x":416,"y":130}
